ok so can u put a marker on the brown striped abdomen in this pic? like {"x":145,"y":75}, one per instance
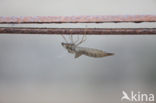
{"x":92,"y":52}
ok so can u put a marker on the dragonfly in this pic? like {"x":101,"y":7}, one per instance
{"x":73,"y":47}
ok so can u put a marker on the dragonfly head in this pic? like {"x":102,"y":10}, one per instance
{"x":69,"y":46}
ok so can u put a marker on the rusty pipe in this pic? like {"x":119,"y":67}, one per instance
{"x":77,"y":19}
{"x":88,"y":31}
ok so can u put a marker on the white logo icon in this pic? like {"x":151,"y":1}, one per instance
{"x":137,"y":97}
{"x":125,"y":96}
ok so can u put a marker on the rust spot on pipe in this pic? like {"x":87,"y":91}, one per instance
{"x":88,"y":31}
{"x":78,"y":19}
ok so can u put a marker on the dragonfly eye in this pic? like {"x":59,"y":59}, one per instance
{"x":62,"y":43}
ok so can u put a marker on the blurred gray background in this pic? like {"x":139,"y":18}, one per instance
{"x":37,"y":69}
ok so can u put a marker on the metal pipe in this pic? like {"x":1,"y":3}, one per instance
{"x":77,"y":19}
{"x":88,"y":31}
